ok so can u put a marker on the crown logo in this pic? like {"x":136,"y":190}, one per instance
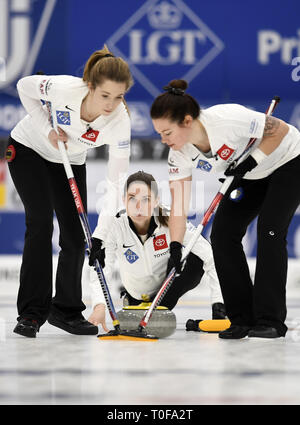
{"x":165,"y":16}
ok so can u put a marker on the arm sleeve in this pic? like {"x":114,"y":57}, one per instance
{"x":243,"y":121}
{"x":31,"y":91}
{"x":179,"y":166}
{"x":118,"y":165}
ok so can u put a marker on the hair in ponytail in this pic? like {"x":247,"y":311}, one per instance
{"x":149,"y":180}
{"x":103,"y":65}
{"x":175,"y":104}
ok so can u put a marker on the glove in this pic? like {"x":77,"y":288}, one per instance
{"x":175,"y":256}
{"x":242,"y":168}
{"x":97,"y":253}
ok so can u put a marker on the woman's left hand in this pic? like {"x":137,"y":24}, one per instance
{"x":175,"y":256}
{"x":59,"y":135}
{"x":243,"y":168}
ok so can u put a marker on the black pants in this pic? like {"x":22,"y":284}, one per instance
{"x":186,"y":281}
{"x":43,"y":188}
{"x":274,"y":200}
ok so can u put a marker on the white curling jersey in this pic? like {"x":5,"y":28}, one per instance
{"x":143,"y":266}
{"x":229,"y":128}
{"x":63,"y":95}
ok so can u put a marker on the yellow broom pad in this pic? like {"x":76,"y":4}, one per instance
{"x":125,"y":338}
{"x":214,"y":325}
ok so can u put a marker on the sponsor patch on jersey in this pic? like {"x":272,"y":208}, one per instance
{"x":48,"y":87}
{"x":160,"y":242}
{"x":124,"y":144}
{"x":49,"y":109}
{"x":131,"y":256}
{"x":42,"y":87}
{"x":225,"y":152}
{"x":204,"y":165}
{"x":91,"y":135}
{"x":63,"y":117}
{"x":253,"y":126}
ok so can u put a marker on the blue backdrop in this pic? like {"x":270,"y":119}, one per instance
{"x":229,"y":51}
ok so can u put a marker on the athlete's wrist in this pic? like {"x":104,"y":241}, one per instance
{"x":258,"y":155}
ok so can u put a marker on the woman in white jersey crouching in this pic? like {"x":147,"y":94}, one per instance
{"x":89,"y":112}
{"x":139,"y":238}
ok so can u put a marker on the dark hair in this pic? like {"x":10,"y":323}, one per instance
{"x":175,"y":104}
{"x":149,"y":180}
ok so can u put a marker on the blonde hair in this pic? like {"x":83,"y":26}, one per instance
{"x":103,"y":65}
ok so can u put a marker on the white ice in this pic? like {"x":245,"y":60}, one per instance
{"x":187,"y":368}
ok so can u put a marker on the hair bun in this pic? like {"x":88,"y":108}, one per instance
{"x":176,"y":87}
{"x":179,"y":84}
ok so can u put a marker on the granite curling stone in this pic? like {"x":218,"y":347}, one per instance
{"x":161,"y":324}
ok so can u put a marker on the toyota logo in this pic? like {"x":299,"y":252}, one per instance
{"x":225,"y":152}
{"x":159,"y":242}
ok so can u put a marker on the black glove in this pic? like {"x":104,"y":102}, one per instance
{"x":97,"y":253}
{"x":242,"y":168}
{"x":175,"y":256}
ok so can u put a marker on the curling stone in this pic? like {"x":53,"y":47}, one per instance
{"x":161,"y":324}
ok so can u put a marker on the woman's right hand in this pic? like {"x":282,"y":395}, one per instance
{"x":98,"y":316}
{"x":54,"y":137}
{"x":97,"y":252}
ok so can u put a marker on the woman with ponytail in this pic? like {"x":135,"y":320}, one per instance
{"x":139,"y":239}
{"x":86,"y":112}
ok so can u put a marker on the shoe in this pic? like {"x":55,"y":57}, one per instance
{"x":27,"y":327}
{"x":235,"y":332}
{"x":78,"y":326}
{"x":218,"y":311}
{"x":263,"y":331}
{"x":193,"y":325}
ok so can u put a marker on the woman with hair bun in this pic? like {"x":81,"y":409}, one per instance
{"x":210,"y":140}
{"x":89,"y":112}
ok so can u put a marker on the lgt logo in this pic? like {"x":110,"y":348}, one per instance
{"x":166,"y":33}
